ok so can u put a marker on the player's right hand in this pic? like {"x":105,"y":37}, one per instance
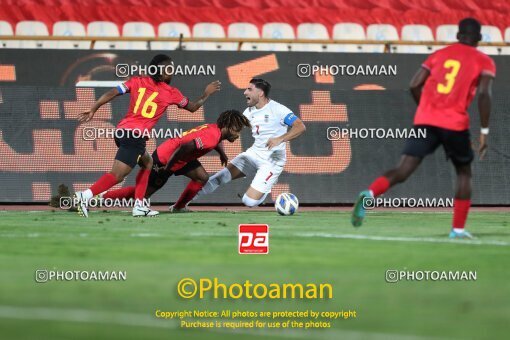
{"x":224,"y":159}
{"x":482,"y":148}
{"x":86,"y":116}
{"x":213,"y":87}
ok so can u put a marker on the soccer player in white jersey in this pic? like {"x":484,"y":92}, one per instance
{"x":267,"y":156}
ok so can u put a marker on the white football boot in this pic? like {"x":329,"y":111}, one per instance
{"x":139,"y":210}
{"x":82,"y":204}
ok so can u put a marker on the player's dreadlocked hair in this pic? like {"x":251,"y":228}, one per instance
{"x":158,"y":60}
{"x":232,"y":119}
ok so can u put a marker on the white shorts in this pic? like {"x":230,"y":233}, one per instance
{"x":266,"y":170}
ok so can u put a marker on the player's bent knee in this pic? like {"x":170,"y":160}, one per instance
{"x":250,"y":202}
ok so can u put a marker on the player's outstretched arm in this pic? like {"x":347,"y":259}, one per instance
{"x":223,"y":156}
{"x":179,"y":153}
{"x":105,"y":98}
{"x":210,"y":89}
{"x":484,"y":106}
{"x":297,"y":129}
{"x":417,"y":83}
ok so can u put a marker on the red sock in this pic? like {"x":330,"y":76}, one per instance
{"x":142,"y":180}
{"x":379,"y":186}
{"x":104,"y":183}
{"x":460,"y":212}
{"x":187,"y":195}
{"x":127,"y":192}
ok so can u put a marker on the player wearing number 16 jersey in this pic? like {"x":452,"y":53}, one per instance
{"x":443,"y":89}
{"x":150,"y":96}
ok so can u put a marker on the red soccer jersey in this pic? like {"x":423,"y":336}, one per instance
{"x":148,"y":102}
{"x":206,"y":137}
{"x":451,"y":86}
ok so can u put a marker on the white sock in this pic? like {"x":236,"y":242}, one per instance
{"x":87,"y":194}
{"x":458,"y":230}
{"x":221,"y":177}
{"x":250,"y":202}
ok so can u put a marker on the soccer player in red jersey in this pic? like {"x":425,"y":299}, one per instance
{"x":151,"y":95}
{"x":178,"y":156}
{"x":443,"y":88}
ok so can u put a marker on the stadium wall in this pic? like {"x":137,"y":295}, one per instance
{"x":42,"y":145}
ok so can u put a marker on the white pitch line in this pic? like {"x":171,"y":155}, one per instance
{"x":405,"y":239}
{"x":145,"y":235}
{"x":83,"y":316}
{"x":146,"y":320}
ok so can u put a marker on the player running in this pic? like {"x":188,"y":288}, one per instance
{"x":151,"y":96}
{"x":267,"y":156}
{"x":443,"y":88}
{"x":178,"y":156}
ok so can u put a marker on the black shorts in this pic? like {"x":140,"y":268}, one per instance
{"x":456,"y":144}
{"x":130,"y":148}
{"x":158,"y":179}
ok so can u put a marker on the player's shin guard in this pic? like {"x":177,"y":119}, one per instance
{"x":187,"y":195}
{"x":127,"y":192}
{"x":379,"y":186}
{"x":460,"y":213}
{"x":221,"y":177}
{"x":250,"y":202}
{"x":104,"y":183}
{"x":142,"y":180}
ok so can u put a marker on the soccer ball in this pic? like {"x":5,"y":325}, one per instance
{"x":286,"y":204}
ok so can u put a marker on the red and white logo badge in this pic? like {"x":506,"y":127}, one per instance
{"x":253,"y":239}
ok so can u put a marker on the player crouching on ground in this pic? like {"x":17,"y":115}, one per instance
{"x":178,"y":156}
{"x":267,"y":156}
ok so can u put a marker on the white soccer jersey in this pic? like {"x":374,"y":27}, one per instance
{"x":267,"y":122}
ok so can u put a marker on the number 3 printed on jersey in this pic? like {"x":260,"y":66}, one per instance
{"x":454,"y":67}
{"x":149,"y":108}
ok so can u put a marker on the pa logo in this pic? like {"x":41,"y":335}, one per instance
{"x":253,"y":239}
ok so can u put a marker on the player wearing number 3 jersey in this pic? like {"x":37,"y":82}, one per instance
{"x":150,"y":97}
{"x":443,"y":89}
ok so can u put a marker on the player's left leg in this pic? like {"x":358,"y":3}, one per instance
{"x":140,"y":208}
{"x":457,"y":145}
{"x":129,"y":152}
{"x":415,"y":150}
{"x":406,"y":167}
{"x":199,"y":176}
{"x":120,"y":170}
{"x":253,"y":197}
{"x":462,"y":202}
{"x":266,"y":176}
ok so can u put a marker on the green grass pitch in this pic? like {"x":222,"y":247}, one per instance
{"x":308,"y":247}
